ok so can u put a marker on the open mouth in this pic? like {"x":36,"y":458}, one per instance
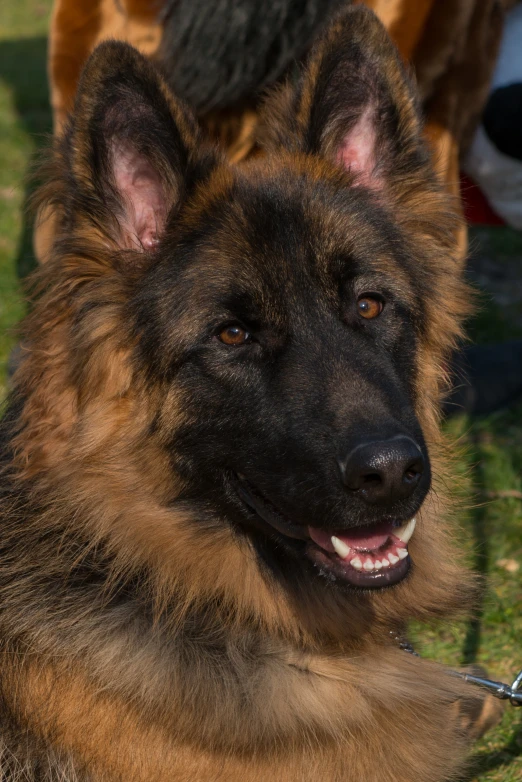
{"x":375,"y":555}
{"x":370,"y":557}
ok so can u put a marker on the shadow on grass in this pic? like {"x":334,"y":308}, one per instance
{"x":485,"y":762}
{"x":23,"y":67}
{"x":472,"y":640}
{"x":490,"y":761}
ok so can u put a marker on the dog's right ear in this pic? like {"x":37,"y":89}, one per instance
{"x":353,"y":104}
{"x":127,"y":149}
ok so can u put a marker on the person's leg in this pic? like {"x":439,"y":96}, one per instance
{"x":485,"y":378}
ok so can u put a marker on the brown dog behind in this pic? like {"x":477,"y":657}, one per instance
{"x":452,"y":47}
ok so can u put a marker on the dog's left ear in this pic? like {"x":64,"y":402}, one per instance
{"x":128,"y":148}
{"x":354,"y":103}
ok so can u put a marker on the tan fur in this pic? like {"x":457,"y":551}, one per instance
{"x":103,"y":733}
{"x":217,"y":671}
{"x":86,"y":425}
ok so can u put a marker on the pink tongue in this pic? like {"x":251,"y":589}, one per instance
{"x":361,"y":538}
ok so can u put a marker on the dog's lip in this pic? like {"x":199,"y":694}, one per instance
{"x":267,"y":510}
{"x":322,"y":552}
{"x":342,"y":570}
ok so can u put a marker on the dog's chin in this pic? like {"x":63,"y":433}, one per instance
{"x":365,"y":557}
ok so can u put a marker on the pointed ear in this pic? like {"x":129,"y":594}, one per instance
{"x":128,"y":148}
{"x":354,"y":103}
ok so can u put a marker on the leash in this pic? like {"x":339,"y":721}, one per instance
{"x":504,"y":692}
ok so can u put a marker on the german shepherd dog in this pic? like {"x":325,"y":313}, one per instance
{"x":223,"y":477}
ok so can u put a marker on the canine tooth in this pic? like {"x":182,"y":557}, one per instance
{"x":404,"y":533}
{"x":340,"y":548}
{"x":356,"y":563}
{"x":385,"y":563}
{"x":368,"y":565}
{"x":378,"y":564}
{"x":402,"y":552}
{"x":393,"y":559}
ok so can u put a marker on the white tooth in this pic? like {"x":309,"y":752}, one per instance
{"x":405,"y":532}
{"x":378,"y":564}
{"x":356,"y":563}
{"x":393,"y":559}
{"x":385,"y":563}
{"x":340,"y":548}
{"x":368,"y":565}
{"x":402,"y":553}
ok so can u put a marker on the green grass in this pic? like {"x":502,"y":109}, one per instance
{"x":493,"y":459}
{"x":25,"y":120}
{"x":491,"y":529}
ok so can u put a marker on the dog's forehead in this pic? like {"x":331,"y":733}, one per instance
{"x":293,"y":221}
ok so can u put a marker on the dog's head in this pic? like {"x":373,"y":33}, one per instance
{"x":254,"y":351}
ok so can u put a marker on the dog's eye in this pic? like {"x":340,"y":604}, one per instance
{"x":369,"y":307}
{"x":234,"y":335}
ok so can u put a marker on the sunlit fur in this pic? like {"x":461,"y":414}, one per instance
{"x":140,"y":642}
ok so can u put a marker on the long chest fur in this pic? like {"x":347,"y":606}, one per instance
{"x":244,"y":712}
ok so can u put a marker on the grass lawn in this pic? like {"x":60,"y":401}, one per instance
{"x":492,"y":447}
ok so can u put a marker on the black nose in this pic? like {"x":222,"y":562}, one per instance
{"x":383,"y":472}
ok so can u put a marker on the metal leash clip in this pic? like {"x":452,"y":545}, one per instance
{"x":504,"y":692}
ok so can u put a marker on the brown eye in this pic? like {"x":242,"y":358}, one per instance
{"x":369,"y":307}
{"x":234,"y":335}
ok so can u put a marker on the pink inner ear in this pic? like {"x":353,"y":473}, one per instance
{"x":142,"y":194}
{"x":357,"y":153}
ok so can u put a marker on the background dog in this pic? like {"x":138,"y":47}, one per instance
{"x":222,"y":431}
{"x":220,"y":56}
